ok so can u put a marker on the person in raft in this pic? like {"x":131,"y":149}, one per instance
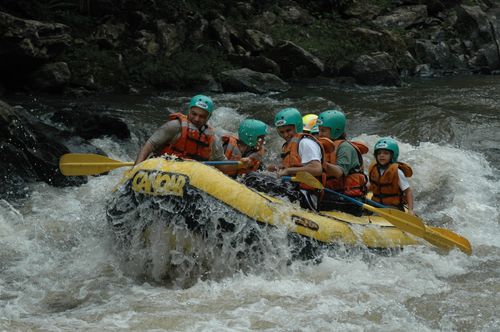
{"x":343,"y":164}
{"x":388,"y":176}
{"x":188,"y":137}
{"x":300,"y":152}
{"x":248,"y":147}
{"x":310,"y":126}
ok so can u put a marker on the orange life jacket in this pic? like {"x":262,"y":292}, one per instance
{"x":385,"y":188}
{"x":291,"y":158}
{"x":193,"y":143}
{"x":354,"y":184}
{"x":232,"y":152}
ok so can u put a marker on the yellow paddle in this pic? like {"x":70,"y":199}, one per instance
{"x":440,"y":237}
{"x":93,"y":164}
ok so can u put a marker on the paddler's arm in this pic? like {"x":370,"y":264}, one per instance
{"x":218,"y":155}
{"x":334,"y":170}
{"x":313,"y":167}
{"x":342,"y":167}
{"x":167,"y":133}
{"x":408,"y":194}
{"x":144,"y":153}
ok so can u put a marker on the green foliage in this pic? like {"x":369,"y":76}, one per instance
{"x":336,"y":43}
{"x":183,"y":69}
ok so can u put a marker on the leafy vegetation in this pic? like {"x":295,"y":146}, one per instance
{"x":335,"y":43}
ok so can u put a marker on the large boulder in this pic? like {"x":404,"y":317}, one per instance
{"x":30,"y":152}
{"x":473,"y":24}
{"x":294,"y":61}
{"x":257,"y":63}
{"x":90,"y":124}
{"x":376,"y":69}
{"x":244,"y":79}
{"x":51,"y":76}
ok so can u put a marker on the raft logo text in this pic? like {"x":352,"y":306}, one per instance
{"x":159,"y":183}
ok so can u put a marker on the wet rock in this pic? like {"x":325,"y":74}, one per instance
{"x":248,"y":80}
{"x":473,"y":24}
{"x":51,"y":76}
{"x":256,"y":63}
{"x":256,"y":41}
{"x":424,"y":70}
{"x":403,"y":17}
{"x":89,"y":125}
{"x":487,"y":57}
{"x":222,"y":33}
{"x":376,"y":69}
{"x":30,"y":152}
{"x":436,"y":54}
{"x":295,"y":61}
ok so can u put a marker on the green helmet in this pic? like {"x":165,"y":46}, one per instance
{"x":333,"y":119}
{"x":289,"y":116}
{"x":203,"y":102}
{"x":389,"y":144}
{"x":250,"y":130}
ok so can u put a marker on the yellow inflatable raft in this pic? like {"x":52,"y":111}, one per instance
{"x":181,"y":182}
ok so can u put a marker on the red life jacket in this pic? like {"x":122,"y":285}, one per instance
{"x":386,"y":188}
{"x":193,"y":143}
{"x":354,"y":184}
{"x":291,"y":158}
{"x":232,"y":152}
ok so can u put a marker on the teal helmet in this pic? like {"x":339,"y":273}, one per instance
{"x":333,"y":119}
{"x":203,"y":102}
{"x":289,"y":116}
{"x":250,"y":130}
{"x":389,"y":144}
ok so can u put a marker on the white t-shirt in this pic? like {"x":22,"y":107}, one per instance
{"x":309,"y":150}
{"x":403,"y":181}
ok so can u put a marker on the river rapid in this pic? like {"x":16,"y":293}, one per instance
{"x":59,"y":269}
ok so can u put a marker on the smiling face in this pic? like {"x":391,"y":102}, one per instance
{"x":198,"y":116}
{"x":383,"y":157}
{"x":287,"y":132}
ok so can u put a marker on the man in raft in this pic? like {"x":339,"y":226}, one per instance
{"x":188,"y":137}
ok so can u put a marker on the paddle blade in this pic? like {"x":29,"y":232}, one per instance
{"x":308,"y":179}
{"x":446,"y":239}
{"x":72,"y":164}
{"x":402,"y":220}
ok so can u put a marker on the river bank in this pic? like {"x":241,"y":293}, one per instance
{"x":81,"y":48}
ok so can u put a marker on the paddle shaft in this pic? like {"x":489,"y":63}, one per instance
{"x":76,"y":164}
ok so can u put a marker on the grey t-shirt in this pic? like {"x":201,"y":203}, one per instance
{"x":170,"y":132}
{"x":347,"y":157}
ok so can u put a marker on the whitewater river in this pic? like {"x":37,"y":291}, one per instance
{"x":60,"y":269}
